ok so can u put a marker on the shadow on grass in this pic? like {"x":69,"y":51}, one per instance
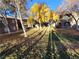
{"x":49,"y":49}
{"x":27,"y":51}
{"x":71,"y":37}
{"x":9,"y":51}
{"x":72,"y":40}
{"x":61,"y":49}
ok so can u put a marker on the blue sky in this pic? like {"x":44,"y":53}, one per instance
{"x":53,"y":4}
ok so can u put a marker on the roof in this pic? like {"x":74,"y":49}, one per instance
{"x":13,"y":17}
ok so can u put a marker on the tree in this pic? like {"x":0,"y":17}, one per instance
{"x":55,"y":17}
{"x":17,"y":6}
{"x":69,"y":5}
{"x":30,"y":21}
{"x":18,"y":3}
{"x":72,"y":9}
{"x":35,"y":8}
{"x":40,"y":11}
{"x":76,"y":20}
{"x":43,"y":14}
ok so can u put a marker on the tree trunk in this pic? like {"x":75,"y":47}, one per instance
{"x":18,"y":11}
{"x":75,"y":21}
{"x":5,"y":22}
{"x":77,"y":25}
{"x":16,"y":21}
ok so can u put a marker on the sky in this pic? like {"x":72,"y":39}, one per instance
{"x":53,"y":4}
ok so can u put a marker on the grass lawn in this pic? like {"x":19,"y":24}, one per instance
{"x":41,"y":43}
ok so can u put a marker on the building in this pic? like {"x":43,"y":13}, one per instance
{"x":9,"y":25}
{"x":69,"y":20}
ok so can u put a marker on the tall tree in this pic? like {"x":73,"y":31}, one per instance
{"x":71,"y":7}
{"x":18,"y":6}
{"x":40,"y":12}
{"x":43,"y":14}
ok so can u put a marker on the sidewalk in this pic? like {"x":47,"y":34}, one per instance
{"x":12,"y":33}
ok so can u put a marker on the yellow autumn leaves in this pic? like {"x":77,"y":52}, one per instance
{"x":55,"y":17}
{"x":35,"y":8}
{"x":42,"y":14}
{"x":30,"y":20}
